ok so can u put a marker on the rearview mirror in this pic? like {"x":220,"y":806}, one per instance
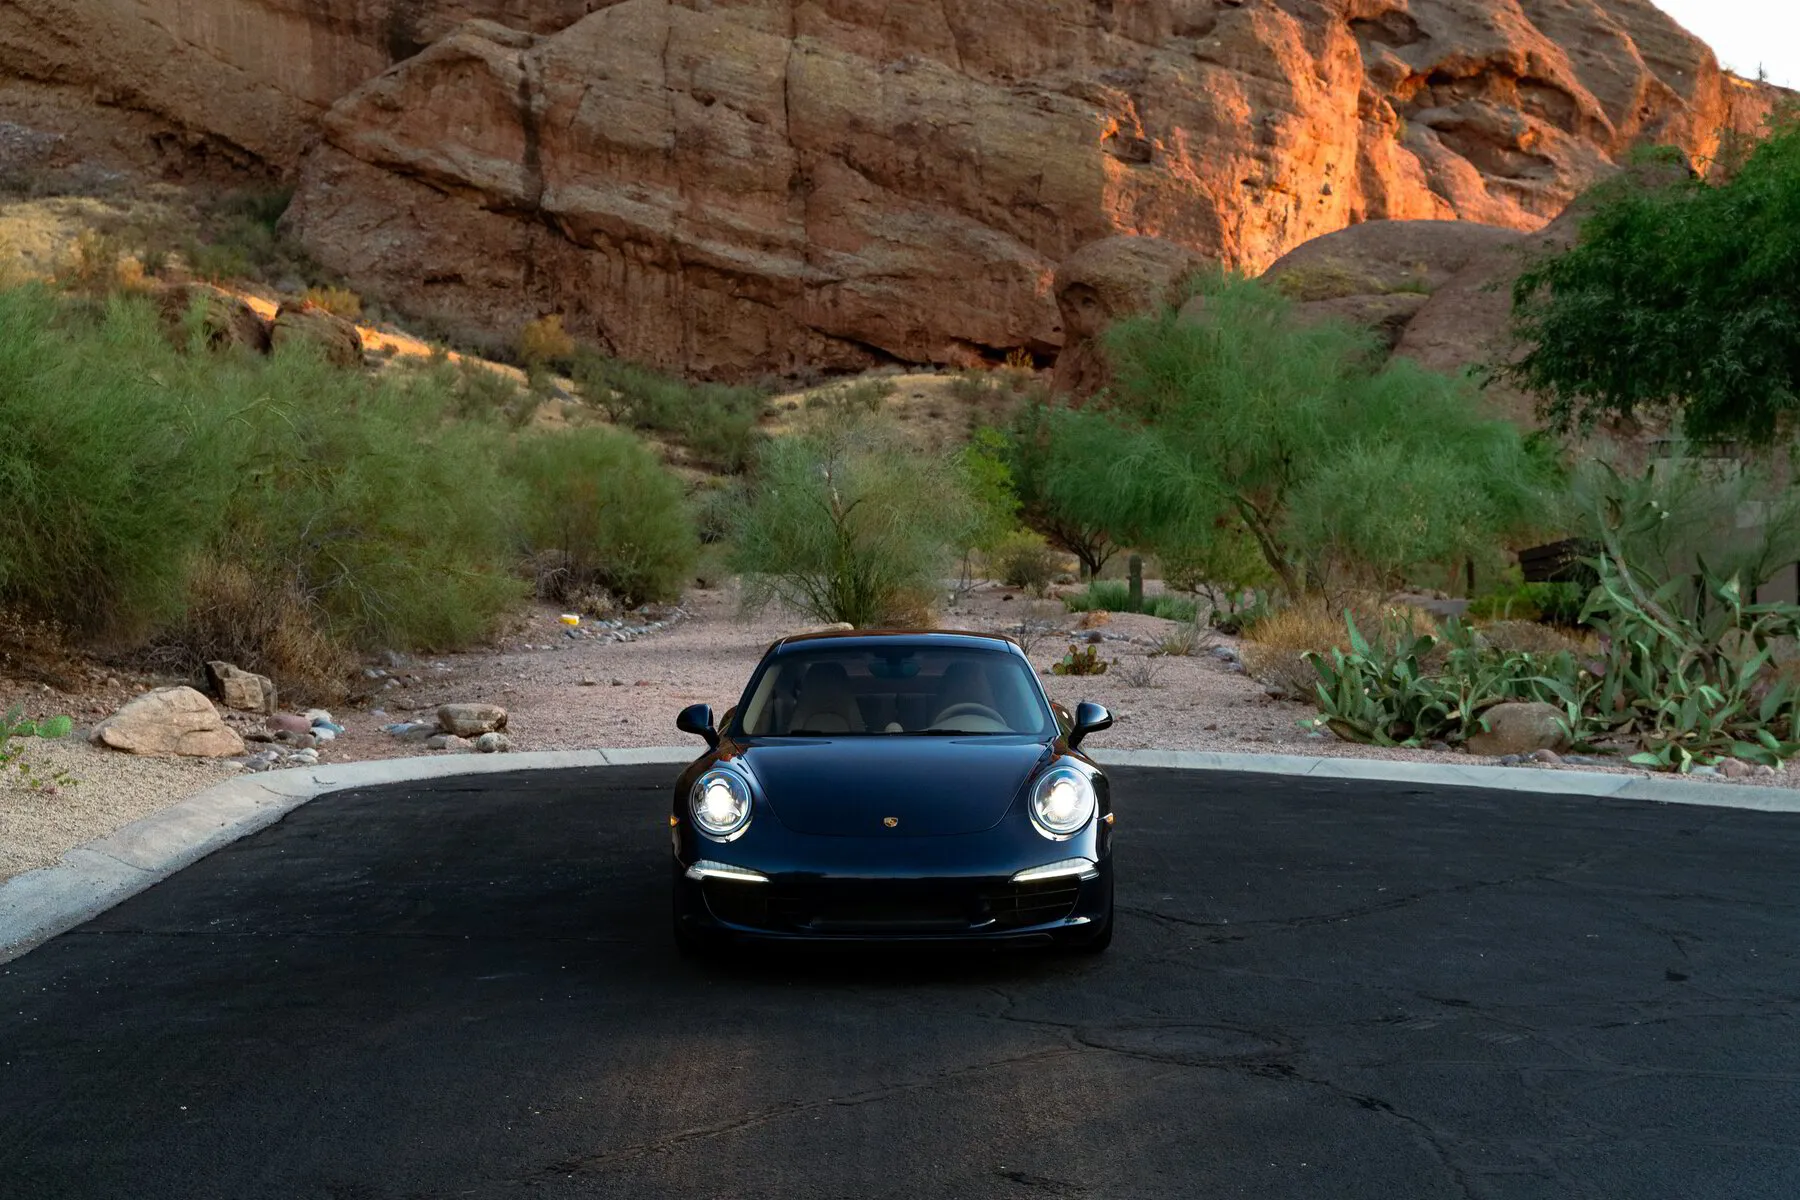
{"x":1089,"y":718}
{"x":697,"y":719}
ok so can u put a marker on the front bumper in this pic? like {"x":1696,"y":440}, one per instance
{"x":809,"y":907}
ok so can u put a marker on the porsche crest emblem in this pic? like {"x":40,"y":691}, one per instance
{"x":890,"y":822}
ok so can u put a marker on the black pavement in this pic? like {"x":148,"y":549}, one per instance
{"x":1318,"y":989}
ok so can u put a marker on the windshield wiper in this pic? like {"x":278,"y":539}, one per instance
{"x":960,"y":732}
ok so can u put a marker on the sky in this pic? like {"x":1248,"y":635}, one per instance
{"x":1746,"y":34}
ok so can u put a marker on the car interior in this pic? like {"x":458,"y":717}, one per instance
{"x":840,"y":692}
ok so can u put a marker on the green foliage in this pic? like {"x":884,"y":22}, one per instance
{"x":600,"y":510}
{"x":1082,"y":660}
{"x":1680,"y":298}
{"x":1342,"y":474}
{"x":1407,"y":689}
{"x":101,"y":464}
{"x":860,"y":396}
{"x":987,"y":478}
{"x":1057,"y":509}
{"x":129,"y":465}
{"x":1114,"y":595}
{"x":241,"y":239}
{"x":1022,"y":559}
{"x":1221,"y":563}
{"x":846,"y":523}
{"x":717,"y":422}
{"x":1512,"y":599}
{"x":1685,"y":688}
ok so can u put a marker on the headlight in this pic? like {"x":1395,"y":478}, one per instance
{"x":1062,"y":803}
{"x":720,"y":801}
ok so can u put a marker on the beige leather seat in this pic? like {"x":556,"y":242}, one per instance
{"x":826,"y":702}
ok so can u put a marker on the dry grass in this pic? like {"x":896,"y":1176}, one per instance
{"x":1532,"y":637}
{"x":339,"y":302}
{"x":234,"y":616}
{"x":1274,"y":647}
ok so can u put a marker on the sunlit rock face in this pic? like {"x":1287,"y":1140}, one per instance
{"x":740,"y":186}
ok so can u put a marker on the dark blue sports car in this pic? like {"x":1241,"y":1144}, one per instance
{"x":893,"y":786}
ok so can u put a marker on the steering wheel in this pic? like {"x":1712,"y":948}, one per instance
{"x":971,"y":708}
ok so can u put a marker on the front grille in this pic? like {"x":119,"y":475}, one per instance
{"x":893,"y":907}
{"x":1016,"y":905}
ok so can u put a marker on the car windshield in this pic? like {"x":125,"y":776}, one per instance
{"x":835,"y":691}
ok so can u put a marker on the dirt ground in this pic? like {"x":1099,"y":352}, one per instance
{"x":590,"y":691}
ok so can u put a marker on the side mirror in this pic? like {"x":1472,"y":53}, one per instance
{"x":1089,"y":718}
{"x":697,"y":719}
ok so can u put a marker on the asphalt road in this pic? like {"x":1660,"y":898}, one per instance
{"x":1318,"y":989}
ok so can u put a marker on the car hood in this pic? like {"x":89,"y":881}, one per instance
{"x":929,"y":786}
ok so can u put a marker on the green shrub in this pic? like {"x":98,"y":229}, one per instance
{"x":600,"y":510}
{"x":114,"y":479}
{"x":1024,"y":560}
{"x":128,"y":466}
{"x":847,"y":523}
{"x":1114,"y":595}
{"x":717,"y":422}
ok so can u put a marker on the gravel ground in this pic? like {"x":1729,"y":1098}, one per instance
{"x":585,"y":692}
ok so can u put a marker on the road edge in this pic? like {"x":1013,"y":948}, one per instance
{"x":38,"y":905}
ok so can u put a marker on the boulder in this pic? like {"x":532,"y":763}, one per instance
{"x":329,"y":335}
{"x":471,"y":720}
{"x":221,"y":320}
{"x":1103,"y":282}
{"x":1520,"y":728}
{"x":243,"y":690}
{"x":173,"y":721}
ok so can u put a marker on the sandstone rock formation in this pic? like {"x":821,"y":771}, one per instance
{"x":243,"y":690}
{"x":173,"y":721}
{"x":221,"y":320}
{"x":735,"y":186}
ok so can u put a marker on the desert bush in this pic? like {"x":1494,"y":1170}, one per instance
{"x":601,"y":510}
{"x":128,"y":465}
{"x":544,"y":343}
{"x":1185,"y":642}
{"x":113,"y":480}
{"x":338,"y":301}
{"x":1037,"y":621}
{"x":264,"y":625}
{"x":1342,"y":473}
{"x":846,"y":523}
{"x":1277,"y":644}
{"x":1023,"y":559}
{"x":1140,"y":672}
{"x":716,"y":422}
{"x":240,"y":238}
{"x":1220,"y":564}
{"x":861,"y":395}
{"x":1033,"y":455}
{"x":1114,"y":595}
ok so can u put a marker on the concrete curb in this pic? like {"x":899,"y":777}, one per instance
{"x":38,"y":905}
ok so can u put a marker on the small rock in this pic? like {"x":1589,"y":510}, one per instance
{"x":304,"y":757}
{"x":323,"y":733}
{"x":300,"y":741}
{"x":1736,"y":768}
{"x":493,"y":743}
{"x":618,"y":683}
{"x":288,"y":722}
{"x":448,"y":741}
{"x":1708,"y":772}
{"x":243,"y":690}
{"x":589,"y":681}
{"x":1547,"y":757}
{"x":413,"y":731}
{"x":1517,"y":728}
{"x":1763,"y":771}
{"x":471,"y":720}
{"x":316,"y":715}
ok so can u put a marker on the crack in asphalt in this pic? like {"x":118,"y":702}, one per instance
{"x":874,"y":1095}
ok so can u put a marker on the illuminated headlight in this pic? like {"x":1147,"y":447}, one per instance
{"x":720,"y":801}
{"x":1062,"y":803}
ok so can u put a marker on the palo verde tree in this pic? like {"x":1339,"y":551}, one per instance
{"x":1341,"y":472}
{"x":1681,"y":299}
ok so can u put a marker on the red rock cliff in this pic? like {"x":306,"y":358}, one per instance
{"x":742,"y":185}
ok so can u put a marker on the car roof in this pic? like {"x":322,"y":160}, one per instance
{"x":858,"y":639}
